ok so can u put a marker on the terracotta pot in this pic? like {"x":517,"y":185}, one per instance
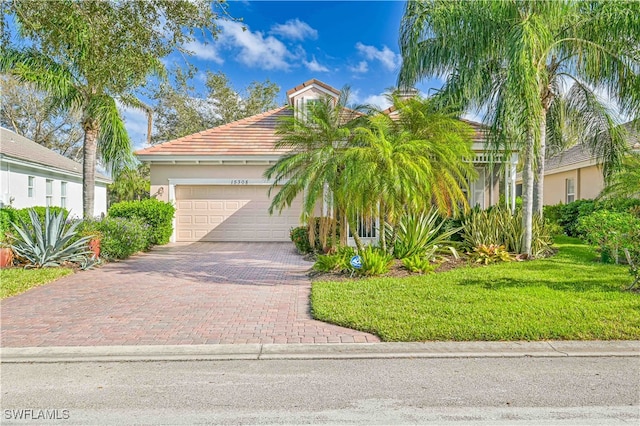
{"x":94,"y":246}
{"x":6,"y":257}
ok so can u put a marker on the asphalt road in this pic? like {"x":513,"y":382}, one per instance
{"x":531,"y":391}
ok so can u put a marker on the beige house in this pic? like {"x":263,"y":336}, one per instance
{"x":215,"y":177}
{"x":574,"y":174}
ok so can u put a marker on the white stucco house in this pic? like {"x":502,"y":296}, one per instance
{"x":215,"y":177}
{"x":33,"y":175}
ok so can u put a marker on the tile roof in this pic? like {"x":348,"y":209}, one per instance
{"x":252,"y":136}
{"x":16,"y":146}
{"x":580,"y":153}
{"x":313,"y":82}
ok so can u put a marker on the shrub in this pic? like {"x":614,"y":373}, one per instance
{"x":610,"y":231}
{"x":300,"y":237}
{"x":500,"y":227}
{"x":122,"y":237}
{"x":7,"y":217}
{"x":568,"y":215}
{"x":155,"y":213}
{"x":336,"y":262}
{"x":375,"y":261}
{"x":48,"y":243}
{"x":490,"y":254}
{"x":418,"y":234}
{"x":420,"y":264}
{"x":41,"y":211}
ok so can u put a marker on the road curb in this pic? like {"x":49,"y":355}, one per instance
{"x":545,"y":349}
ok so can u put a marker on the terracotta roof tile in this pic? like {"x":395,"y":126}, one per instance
{"x":252,"y":136}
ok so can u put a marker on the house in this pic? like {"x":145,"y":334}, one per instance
{"x":574,"y":173}
{"x":215,"y":177}
{"x":33,"y":175}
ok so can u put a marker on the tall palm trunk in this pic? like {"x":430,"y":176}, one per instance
{"x":538,"y":201}
{"x":90,"y":149}
{"x":353,"y":227}
{"x":527,"y":194}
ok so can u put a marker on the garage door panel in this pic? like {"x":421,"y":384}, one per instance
{"x":231,"y":213}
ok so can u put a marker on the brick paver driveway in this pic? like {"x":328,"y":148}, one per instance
{"x":201,"y":293}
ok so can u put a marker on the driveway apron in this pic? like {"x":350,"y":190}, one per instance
{"x":198,"y":293}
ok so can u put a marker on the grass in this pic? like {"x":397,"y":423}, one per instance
{"x":17,"y":280}
{"x":568,"y":297}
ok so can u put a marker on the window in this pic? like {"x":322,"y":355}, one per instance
{"x":570,"y":186}
{"x":63,"y":194}
{"x":30,"y":184}
{"x":49,"y":192}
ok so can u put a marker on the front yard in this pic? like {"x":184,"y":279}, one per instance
{"x":568,"y":297}
{"x":18,"y":280}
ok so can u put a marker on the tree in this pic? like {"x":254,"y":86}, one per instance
{"x":409,"y":162}
{"x":30,"y":113}
{"x":317,"y":139}
{"x":511,"y":58}
{"x":91,"y":55}
{"x":131,"y":184}
{"x":180,"y":110}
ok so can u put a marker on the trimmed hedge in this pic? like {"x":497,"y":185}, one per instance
{"x":568,"y":215}
{"x":157,"y":214}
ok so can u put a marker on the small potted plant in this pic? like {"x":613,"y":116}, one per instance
{"x":6,"y":252}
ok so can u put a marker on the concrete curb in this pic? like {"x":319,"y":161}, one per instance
{"x":545,"y":349}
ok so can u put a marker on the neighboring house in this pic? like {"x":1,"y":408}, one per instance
{"x":574,"y":174}
{"x":33,"y":175}
{"x":215,"y":177}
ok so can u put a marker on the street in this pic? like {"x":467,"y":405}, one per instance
{"x":574,"y":390}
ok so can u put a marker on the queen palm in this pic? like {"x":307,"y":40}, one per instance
{"x":316,"y":139}
{"x":408,"y":163}
{"x":512,"y":58}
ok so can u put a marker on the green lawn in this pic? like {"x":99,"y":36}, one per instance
{"x":568,"y":296}
{"x":17,"y":280}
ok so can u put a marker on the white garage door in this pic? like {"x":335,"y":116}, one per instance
{"x":231,"y":213}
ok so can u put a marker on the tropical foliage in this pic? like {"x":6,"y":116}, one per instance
{"x":514,"y":60}
{"x":79,"y":54}
{"x":48,"y":244}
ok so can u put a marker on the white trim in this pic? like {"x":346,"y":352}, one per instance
{"x":226,"y":182}
{"x":45,"y":168}
{"x":314,"y":86}
{"x":210,"y":159}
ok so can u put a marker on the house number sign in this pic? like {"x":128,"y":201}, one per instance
{"x":239,"y":181}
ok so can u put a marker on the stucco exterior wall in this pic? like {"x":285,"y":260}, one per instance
{"x":161,"y":173}
{"x":588,"y":184}
{"x":14,"y":189}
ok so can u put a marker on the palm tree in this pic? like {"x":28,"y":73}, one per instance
{"x":70,"y":89}
{"x":408,"y":163}
{"x":625,"y":183}
{"x":511,"y":59}
{"x":317,"y":139}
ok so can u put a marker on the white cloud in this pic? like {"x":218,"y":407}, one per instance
{"x":386,"y":56}
{"x":204,"y":51}
{"x":315,"y":66}
{"x":256,"y":50}
{"x":294,"y":29}
{"x":361,"y":68}
{"x":380,"y":101}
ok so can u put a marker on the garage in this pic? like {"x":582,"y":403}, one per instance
{"x":230,"y":213}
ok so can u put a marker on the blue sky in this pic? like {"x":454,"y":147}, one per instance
{"x":351,"y":43}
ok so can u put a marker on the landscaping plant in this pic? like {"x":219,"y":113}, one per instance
{"x":123,"y":237}
{"x":610,"y":231}
{"x":155,"y":213}
{"x":419,"y":264}
{"x":421,"y":234}
{"x":335,"y":262}
{"x":490,"y":254}
{"x":375,"y":261}
{"x":50,"y":243}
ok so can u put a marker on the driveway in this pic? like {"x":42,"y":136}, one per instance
{"x":198,"y":293}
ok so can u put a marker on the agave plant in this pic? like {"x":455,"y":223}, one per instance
{"x":422,"y":234}
{"x":49,"y":244}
